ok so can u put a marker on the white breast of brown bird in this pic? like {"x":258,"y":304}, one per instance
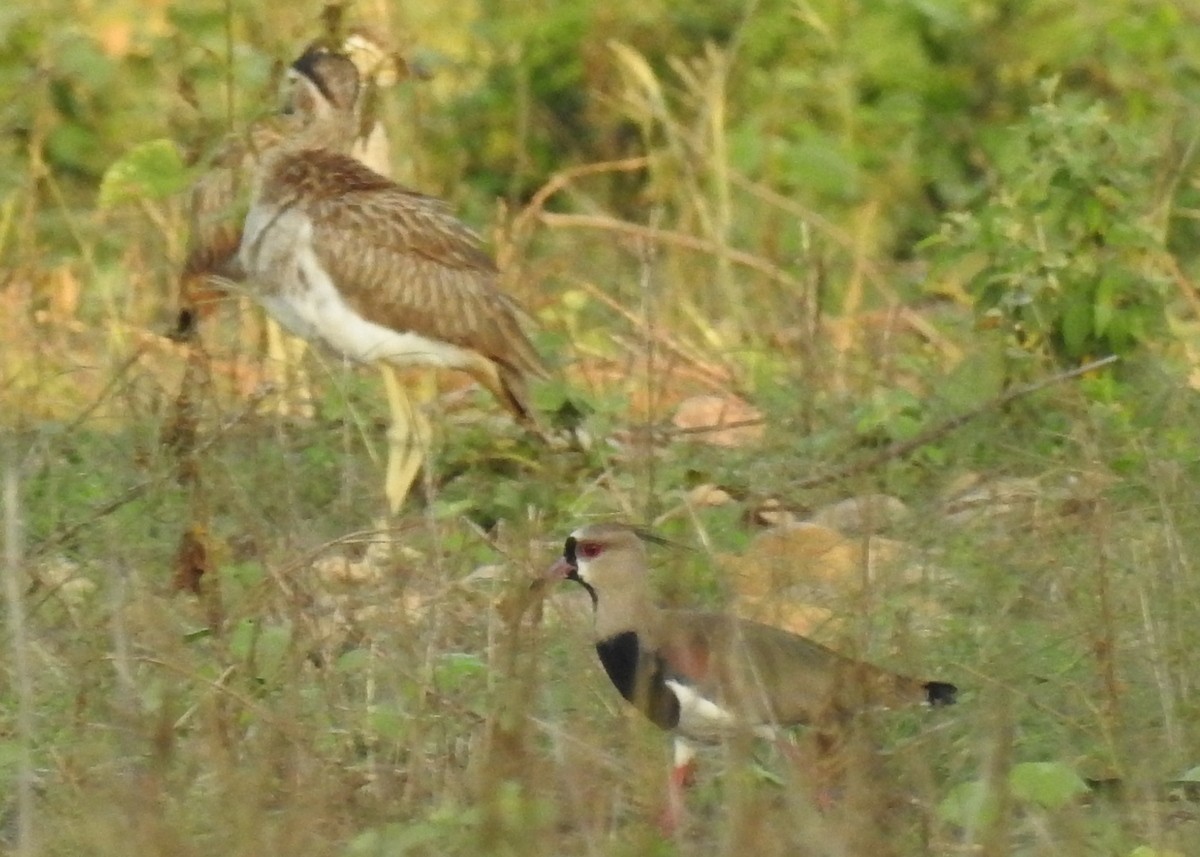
{"x":277,"y":252}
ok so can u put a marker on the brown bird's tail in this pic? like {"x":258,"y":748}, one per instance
{"x":507,"y":384}
{"x":514,"y":395}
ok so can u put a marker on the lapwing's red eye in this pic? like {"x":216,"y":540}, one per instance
{"x":590,"y":550}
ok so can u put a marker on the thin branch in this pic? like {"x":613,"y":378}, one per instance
{"x":821,"y":223}
{"x":908,"y":447}
{"x":715,"y":374}
{"x":668,"y":236}
{"x":676,"y":431}
{"x":562,"y":179}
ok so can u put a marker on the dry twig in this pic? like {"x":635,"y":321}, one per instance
{"x":908,"y":447}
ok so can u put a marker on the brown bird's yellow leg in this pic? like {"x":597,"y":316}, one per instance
{"x":408,"y":440}
{"x":286,"y":359}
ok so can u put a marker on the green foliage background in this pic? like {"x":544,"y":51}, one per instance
{"x":911,"y":114}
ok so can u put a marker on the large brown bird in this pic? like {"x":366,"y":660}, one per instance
{"x":338,"y":253}
{"x":218,"y":199}
{"x":702,"y":674}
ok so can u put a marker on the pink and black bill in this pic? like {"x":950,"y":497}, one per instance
{"x":567,"y":566}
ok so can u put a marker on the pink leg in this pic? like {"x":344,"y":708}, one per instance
{"x":683,"y":774}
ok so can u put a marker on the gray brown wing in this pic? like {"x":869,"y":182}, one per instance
{"x":403,"y":261}
{"x":774,"y":676}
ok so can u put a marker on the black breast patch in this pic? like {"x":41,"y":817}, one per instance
{"x":641,"y":677}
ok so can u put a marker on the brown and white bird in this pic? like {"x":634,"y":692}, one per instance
{"x":342,"y":255}
{"x":705,"y":675}
{"x":218,"y":198}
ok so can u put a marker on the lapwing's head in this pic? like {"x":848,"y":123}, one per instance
{"x":321,"y":84}
{"x":603,"y":558}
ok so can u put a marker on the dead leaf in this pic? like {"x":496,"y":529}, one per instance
{"x":193,"y":561}
{"x":994,"y":499}
{"x":869,"y":513}
{"x":796,"y":553}
{"x":791,"y":614}
{"x":788,"y":573}
{"x":719,"y":420}
{"x":708,"y":495}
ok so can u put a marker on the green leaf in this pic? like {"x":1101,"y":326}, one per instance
{"x":393,"y":839}
{"x":241,"y":638}
{"x":969,"y":805}
{"x":390,"y":724}
{"x":244,"y":575}
{"x":353,"y":662}
{"x":1192,"y":775}
{"x":1105,"y":305}
{"x":273,"y":645}
{"x":150,"y":170}
{"x":821,"y":164}
{"x":266,"y":643}
{"x":454,"y":669}
{"x":1147,"y":851}
{"x":197,"y":634}
{"x":1050,"y":785}
{"x":1076,"y":324}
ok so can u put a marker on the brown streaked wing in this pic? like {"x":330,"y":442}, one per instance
{"x":402,"y":260}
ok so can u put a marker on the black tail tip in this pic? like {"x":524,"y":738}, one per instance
{"x":940,"y":693}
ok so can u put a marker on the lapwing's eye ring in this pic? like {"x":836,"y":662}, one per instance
{"x":589,"y":550}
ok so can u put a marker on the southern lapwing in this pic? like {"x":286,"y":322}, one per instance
{"x":218,"y":198}
{"x":704,"y":675}
{"x":342,"y":255}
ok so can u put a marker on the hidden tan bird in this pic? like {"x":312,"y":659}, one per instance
{"x":218,"y":198}
{"x":704,"y":675}
{"x":342,"y":255}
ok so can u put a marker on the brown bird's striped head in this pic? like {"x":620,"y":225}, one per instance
{"x":321,"y":84}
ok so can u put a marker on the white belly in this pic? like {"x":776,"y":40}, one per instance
{"x":276,"y":253}
{"x":702,"y":718}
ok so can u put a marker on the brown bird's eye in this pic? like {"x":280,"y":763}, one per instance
{"x":590,"y":550}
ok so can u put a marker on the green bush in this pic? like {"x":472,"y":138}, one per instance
{"x":1064,"y":252}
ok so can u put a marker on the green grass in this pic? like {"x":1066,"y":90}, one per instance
{"x":410,"y":711}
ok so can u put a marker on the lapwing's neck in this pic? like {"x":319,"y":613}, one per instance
{"x":626,"y":610}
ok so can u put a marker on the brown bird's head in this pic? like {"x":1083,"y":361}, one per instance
{"x":321,"y":84}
